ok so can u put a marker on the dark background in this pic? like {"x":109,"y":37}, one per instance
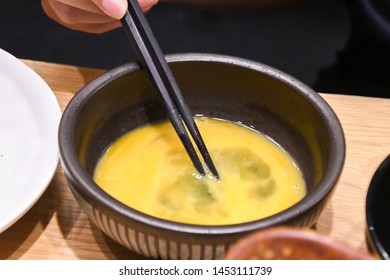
{"x":306,"y":41}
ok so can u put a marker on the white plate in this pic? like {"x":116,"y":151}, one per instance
{"x":29,"y":156}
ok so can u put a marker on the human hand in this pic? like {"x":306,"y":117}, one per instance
{"x":93,"y":16}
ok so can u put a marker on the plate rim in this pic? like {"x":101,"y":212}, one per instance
{"x":47,"y":96}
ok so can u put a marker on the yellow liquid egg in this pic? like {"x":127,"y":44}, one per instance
{"x":148,"y":169}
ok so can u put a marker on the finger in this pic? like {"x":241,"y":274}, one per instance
{"x":113,"y":8}
{"x":96,"y":28}
{"x":86,"y":5}
{"x":72,"y":15}
{"x":146,"y":5}
{"x":86,"y":27}
{"x":117,"y":8}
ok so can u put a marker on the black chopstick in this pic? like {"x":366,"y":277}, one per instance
{"x":153,"y":61}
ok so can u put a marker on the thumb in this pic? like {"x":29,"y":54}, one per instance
{"x":117,"y":8}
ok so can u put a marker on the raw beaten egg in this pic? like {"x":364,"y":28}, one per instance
{"x":148,"y":170}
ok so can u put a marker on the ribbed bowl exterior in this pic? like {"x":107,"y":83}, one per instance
{"x":159,"y":244}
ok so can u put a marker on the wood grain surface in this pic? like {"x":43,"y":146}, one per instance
{"x":56,"y":228}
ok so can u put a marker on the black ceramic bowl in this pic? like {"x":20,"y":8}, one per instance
{"x":216,"y":86}
{"x":378,"y":211}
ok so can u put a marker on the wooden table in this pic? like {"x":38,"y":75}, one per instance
{"x":56,"y":228}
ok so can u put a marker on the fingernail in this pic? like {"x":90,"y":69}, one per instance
{"x":114,"y":8}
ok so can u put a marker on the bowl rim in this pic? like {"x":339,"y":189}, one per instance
{"x":69,"y":159}
{"x":373,"y":191}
